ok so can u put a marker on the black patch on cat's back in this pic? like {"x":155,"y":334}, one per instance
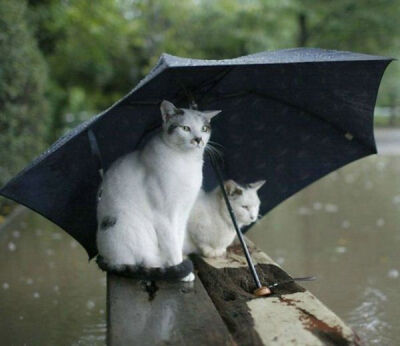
{"x":108,"y":222}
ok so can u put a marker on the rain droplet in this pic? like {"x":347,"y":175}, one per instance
{"x":345,"y":224}
{"x":317,"y":205}
{"x":280,"y":260}
{"x":6,"y":286}
{"x":56,"y":236}
{"x":21,"y":317}
{"x":36,"y":295}
{"x":396,"y":199}
{"x":16,"y":234}
{"x":393,"y":274}
{"x":341,"y":249}
{"x":349,"y":136}
{"x":56,"y":288}
{"x":90,"y":304}
{"x":380,"y":222}
{"x":29,"y":281}
{"x":11,"y":246}
{"x":331,"y":208}
{"x":74,"y":244}
{"x":50,"y":252}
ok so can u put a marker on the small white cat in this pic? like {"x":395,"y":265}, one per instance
{"x":146,"y":198}
{"x":210,"y":230}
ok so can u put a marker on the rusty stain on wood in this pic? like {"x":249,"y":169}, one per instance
{"x":291,"y":315}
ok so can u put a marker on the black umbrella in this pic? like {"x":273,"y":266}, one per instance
{"x":289,"y":117}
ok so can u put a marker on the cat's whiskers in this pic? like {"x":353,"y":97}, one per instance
{"x":211,"y":148}
{"x":216,"y":144}
{"x":213,"y":152}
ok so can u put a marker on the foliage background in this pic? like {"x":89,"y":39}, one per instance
{"x":61,"y":61}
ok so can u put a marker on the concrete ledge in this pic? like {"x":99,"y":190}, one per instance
{"x":162,"y":313}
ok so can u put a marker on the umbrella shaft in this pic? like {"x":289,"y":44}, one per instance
{"x":237,"y":229}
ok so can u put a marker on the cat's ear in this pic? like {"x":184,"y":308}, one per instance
{"x":168,"y":110}
{"x":232,"y":189}
{"x":257,"y":185}
{"x":210,"y":114}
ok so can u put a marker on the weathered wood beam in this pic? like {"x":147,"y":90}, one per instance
{"x":291,"y":315}
{"x":162,"y":313}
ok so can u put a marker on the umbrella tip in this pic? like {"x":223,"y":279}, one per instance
{"x":262,"y":291}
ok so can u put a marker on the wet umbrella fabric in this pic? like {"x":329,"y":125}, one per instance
{"x":289,"y":117}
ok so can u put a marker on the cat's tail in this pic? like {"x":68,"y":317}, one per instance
{"x":173,"y":273}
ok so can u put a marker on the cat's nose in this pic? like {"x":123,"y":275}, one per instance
{"x":197,"y":139}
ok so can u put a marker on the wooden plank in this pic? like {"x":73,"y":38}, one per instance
{"x":162,"y":313}
{"x":291,"y":315}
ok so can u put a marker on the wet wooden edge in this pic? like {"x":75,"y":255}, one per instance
{"x":291,"y":315}
{"x":162,"y":313}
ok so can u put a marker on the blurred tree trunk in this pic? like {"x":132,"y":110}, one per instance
{"x":303,"y":34}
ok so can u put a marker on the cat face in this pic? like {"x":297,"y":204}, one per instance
{"x":244,"y":200}
{"x":186,"y":129}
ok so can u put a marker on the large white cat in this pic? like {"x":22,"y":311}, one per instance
{"x":146,"y":198}
{"x":210,"y":230}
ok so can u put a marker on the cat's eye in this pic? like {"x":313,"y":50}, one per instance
{"x":205,"y":128}
{"x":245,"y":207}
{"x":186,"y":128}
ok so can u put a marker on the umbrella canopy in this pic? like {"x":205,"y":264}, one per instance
{"x":288,"y":116}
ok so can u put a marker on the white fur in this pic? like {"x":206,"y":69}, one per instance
{"x":210,"y":230}
{"x":151,"y":192}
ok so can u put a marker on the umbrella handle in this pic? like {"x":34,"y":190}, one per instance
{"x":261,"y":290}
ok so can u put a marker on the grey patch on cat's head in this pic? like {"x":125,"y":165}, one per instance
{"x":168,"y":110}
{"x":107,"y":222}
{"x":171,"y":128}
{"x":232,"y":188}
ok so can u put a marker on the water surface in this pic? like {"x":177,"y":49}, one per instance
{"x":49,"y":293}
{"x":344,"y":229}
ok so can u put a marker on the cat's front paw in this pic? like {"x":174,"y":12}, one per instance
{"x":189,"y":278}
{"x":220,"y":252}
{"x":207,"y":251}
{"x":212,"y":253}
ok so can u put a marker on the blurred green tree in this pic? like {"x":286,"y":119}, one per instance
{"x":96,"y":51}
{"x":23,"y":77}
